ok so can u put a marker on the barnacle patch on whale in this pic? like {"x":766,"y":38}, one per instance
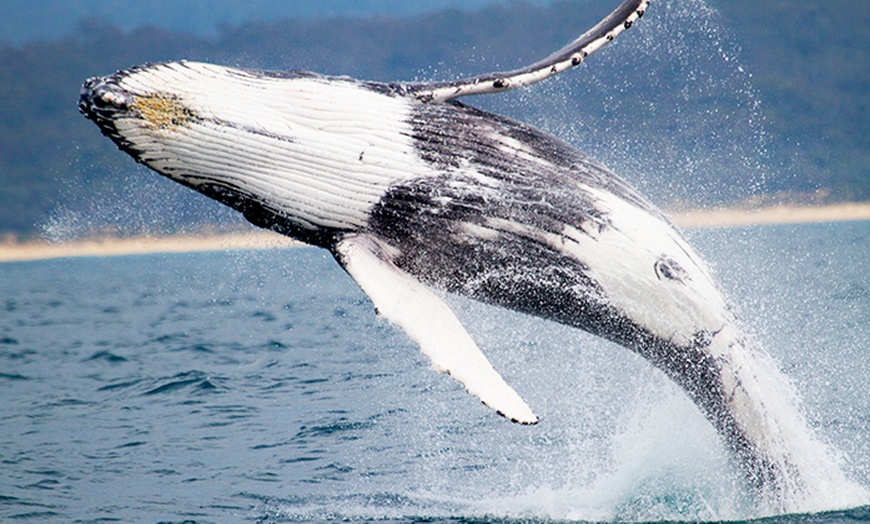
{"x":161,"y":111}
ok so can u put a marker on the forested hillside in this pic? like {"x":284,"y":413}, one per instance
{"x":764,"y":98}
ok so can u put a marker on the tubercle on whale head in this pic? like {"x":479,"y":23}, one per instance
{"x":104,"y":100}
{"x":102,"y":93}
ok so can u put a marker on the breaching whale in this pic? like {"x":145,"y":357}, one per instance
{"x":414,"y":192}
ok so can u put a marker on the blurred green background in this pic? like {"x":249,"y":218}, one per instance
{"x":700,"y":104}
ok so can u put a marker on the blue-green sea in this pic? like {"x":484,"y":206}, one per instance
{"x":260,"y":386}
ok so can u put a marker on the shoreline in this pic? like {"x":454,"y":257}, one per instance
{"x":14,"y":251}
{"x":778,"y":214}
{"x":142,"y":245}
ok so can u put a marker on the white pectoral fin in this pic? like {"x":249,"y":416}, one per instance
{"x":423,"y":316}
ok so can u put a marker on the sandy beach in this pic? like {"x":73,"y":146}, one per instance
{"x":731,"y":217}
{"x":14,"y":251}
{"x":115,"y":246}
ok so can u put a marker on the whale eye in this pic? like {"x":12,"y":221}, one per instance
{"x":667,"y":268}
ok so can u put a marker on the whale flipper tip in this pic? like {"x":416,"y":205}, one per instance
{"x":427,"y":320}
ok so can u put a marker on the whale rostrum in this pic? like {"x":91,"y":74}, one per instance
{"x":415,"y":193}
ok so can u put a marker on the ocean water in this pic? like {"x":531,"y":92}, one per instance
{"x":250,"y":386}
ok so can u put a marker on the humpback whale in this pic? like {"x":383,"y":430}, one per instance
{"x":415,"y":193}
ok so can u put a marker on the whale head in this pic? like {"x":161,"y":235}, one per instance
{"x":300,"y":153}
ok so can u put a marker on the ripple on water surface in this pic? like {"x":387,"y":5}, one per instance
{"x":260,"y":386}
